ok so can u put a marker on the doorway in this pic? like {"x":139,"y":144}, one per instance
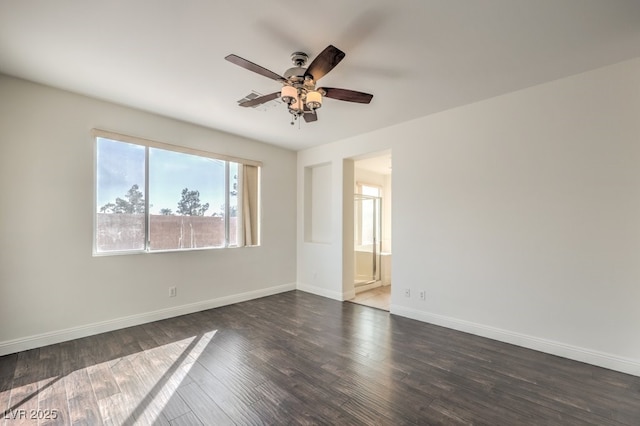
{"x":372,"y":231}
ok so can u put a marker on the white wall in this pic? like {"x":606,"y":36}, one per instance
{"x":318,"y":211}
{"x":368,"y":177}
{"x":519,"y":216}
{"x":51,"y":288}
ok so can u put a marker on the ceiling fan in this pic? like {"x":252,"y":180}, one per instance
{"x":299,"y":90}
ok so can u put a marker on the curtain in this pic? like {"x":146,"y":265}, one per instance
{"x":250,"y":204}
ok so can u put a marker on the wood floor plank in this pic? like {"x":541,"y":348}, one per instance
{"x":187,"y":419}
{"x":132,"y":396}
{"x":23,"y":399}
{"x":307,"y":389}
{"x":114,"y":410}
{"x":236,"y":408}
{"x":83,"y":406}
{"x":238,"y":377}
{"x":288,"y":407}
{"x":23,"y":402}
{"x":103,"y":382}
{"x":381,"y":396}
{"x":7,"y":373}
{"x":159,"y":379}
{"x":28,"y":368}
{"x":204,"y":407}
{"x":53,"y":406}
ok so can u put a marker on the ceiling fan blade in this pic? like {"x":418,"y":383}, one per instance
{"x":234,"y":59}
{"x":346,"y":95}
{"x":310,"y":116}
{"x":260,"y":100}
{"x":324,"y":62}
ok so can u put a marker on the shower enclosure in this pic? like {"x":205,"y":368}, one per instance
{"x":368,"y":243}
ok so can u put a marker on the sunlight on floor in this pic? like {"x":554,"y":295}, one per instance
{"x":134,"y":388}
{"x":162,"y":375}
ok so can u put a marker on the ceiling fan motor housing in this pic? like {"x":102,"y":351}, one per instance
{"x":295,"y":74}
{"x":299,"y":59}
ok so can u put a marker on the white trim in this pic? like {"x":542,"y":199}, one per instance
{"x":576,"y":353}
{"x":348,"y":295}
{"x":52,"y":337}
{"x":319,"y":291}
{"x":367,"y":287}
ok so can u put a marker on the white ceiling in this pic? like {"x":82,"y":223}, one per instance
{"x":416,"y":56}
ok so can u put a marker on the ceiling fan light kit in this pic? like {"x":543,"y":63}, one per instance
{"x":299,"y":91}
{"x":289,"y":94}
{"x":314,"y":100}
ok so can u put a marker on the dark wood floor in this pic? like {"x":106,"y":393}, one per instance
{"x":296,"y":358}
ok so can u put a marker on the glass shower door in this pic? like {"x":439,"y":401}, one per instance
{"x":367,"y":239}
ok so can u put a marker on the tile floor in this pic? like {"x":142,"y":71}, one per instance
{"x":379,"y":298}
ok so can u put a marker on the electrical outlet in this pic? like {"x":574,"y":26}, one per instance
{"x":173,"y":291}
{"x":423,"y":295}
{"x":407,"y":292}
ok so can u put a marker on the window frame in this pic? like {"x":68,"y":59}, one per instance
{"x":148,"y":143}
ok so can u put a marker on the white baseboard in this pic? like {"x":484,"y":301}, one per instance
{"x":368,"y":287}
{"x":319,"y":291}
{"x":44,"y":339}
{"x":600,"y":359}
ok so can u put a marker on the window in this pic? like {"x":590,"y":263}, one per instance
{"x":372,"y":191}
{"x":157,"y":197}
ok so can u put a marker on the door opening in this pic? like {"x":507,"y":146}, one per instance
{"x":372,"y":231}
